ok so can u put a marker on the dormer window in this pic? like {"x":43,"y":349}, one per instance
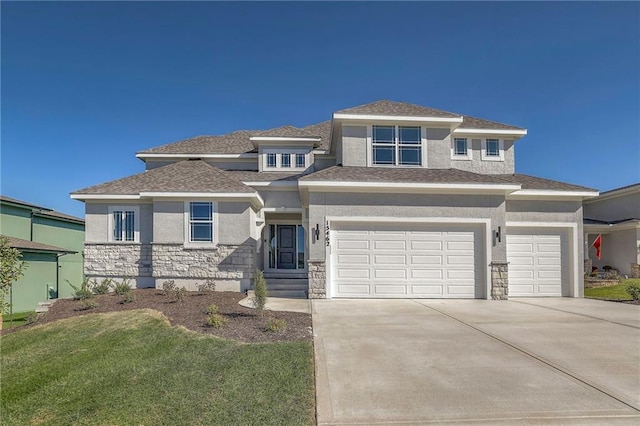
{"x":280,"y":159}
{"x":397,"y":145}
{"x":492,"y":150}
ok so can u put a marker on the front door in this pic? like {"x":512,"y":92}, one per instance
{"x":287,"y":247}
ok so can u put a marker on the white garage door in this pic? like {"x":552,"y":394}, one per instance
{"x":410,"y":261}
{"x":535,"y":263}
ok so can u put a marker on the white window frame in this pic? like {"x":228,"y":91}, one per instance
{"x":266,"y":160}
{"x":468,"y":155}
{"x":396,"y":145}
{"x":499,"y":157}
{"x":279,"y":152}
{"x":304,"y":160}
{"x":187,"y":225}
{"x":136,"y":224}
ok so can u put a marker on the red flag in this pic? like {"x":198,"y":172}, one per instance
{"x":597,"y":243}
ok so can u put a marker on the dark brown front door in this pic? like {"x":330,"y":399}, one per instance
{"x":287,"y":247}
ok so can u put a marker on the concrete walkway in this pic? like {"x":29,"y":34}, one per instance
{"x":528,"y":361}
{"x":282,"y":304}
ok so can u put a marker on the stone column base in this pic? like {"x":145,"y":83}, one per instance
{"x":499,"y":280}
{"x":635,"y":270}
{"x":588,"y":265}
{"x":317,"y":279}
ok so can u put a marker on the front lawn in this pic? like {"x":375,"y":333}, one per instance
{"x":133,"y":367}
{"x":17,"y":319}
{"x":614,"y":292}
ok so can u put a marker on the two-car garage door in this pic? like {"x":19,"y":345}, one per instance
{"x":382,"y":260}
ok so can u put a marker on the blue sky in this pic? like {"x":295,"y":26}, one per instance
{"x":85,"y":84}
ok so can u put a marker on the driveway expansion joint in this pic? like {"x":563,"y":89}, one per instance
{"x":538,"y":358}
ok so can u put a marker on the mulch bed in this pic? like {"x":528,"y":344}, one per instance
{"x":244,"y":324}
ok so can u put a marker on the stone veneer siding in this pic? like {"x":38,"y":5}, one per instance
{"x":222,"y":262}
{"x":635,"y":270}
{"x":117,"y":260}
{"x":499,"y":281}
{"x":317,"y":279}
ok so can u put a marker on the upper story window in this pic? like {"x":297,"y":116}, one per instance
{"x":397,"y":145}
{"x":284,"y":159}
{"x":460,"y":149}
{"x":123,"y":224}
{"x":200,"y":222}
{"x":493,"y":150}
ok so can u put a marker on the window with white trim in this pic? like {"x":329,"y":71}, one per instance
{"x":493,"y":149}
{"x":201,"y":222}
{"x":300,"y":161}
{"x":123,"y":224}
{"x":271,"y":159}
{"x":285,"y":160}
{"x":396,"y":145}
{"x":460,"y":147}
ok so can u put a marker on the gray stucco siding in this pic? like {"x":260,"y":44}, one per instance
{"x":274,"y":198}
{"x":478,"y":165}
{"x":354,"y":146}
{"x":619,"y":250}
{"x":233,"y":222}
{"x":544,"y":211}
{"x":438,"y":148}
{"x":618,"y":208}
{"x":97,"y":221}
{"x":409,"y":206}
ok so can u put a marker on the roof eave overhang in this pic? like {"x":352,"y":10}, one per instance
{"x":160,"y":157}
{"x":281,"y":140}
{"x":544,"y":194}
{"x":397,"y":118}
{"x":64,"y":219}
{"x":497,"y":132}
{"x":608,"y":228}
{"x":253,"y":197}
{"x":615,"y":193}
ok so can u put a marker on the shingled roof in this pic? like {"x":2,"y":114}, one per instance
{"x":532,"y":182}
{"x":392,"y":108}
{"x":27,"y":245}
{"x":182,"y":176}
{"x":286,"y":132}
{"x":403,"y":175}
{"x":232,"y":143}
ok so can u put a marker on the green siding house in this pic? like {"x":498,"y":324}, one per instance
{"x":51,"y":243}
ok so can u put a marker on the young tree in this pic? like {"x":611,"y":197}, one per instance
{"x":11,"y":270}
{"x":259,"y":291}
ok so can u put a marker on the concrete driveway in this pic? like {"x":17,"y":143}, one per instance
{"x":522,"y":361}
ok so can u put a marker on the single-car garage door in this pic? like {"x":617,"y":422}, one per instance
{"x":535,"y":262}
{"x":381,"y":260}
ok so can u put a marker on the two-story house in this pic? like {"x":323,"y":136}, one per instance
{"x":387,"y":200}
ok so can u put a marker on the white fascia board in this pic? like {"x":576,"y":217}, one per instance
{"x":615,"y":193}
{"x":282,"y":139}
{"x":606,"y":228}
{"x":463,"y":131}
{"x":222,"y":156}
{"x":365,"y":117}
{"x":105,"y":197}
{"x":292,"y":184}
{"x":408,"y":186}
{"x":542,"y":194}
{"x":253,"y":197}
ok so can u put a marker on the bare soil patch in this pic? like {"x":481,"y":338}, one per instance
{"x":244,"y":324}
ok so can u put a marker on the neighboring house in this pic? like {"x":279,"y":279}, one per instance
{"x":615,"y":215}
{"x":386,"y":199}
{"x":51,"y":244}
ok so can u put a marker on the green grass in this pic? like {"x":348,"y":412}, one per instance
{"x":15,"y":320}
{"x":132,"y":367}
{"x":614,"y":292}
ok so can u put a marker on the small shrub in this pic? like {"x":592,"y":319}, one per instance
{"x":208,"y":285}
{"x":168,"y":287}
{"x":84,"y":291}
{"x":31,"y":318}
{"x":86,"y":305}
{"x":128,"y":298}
{"x":122,"y":288}
{"x":212,"y":309}
{"x":276,"y":325}
{"x":103,"y":288}
{"x":259,"y":291}
{"x":634,"y":291}
{"x":216,"y":320}
{"x":607,"y":268}
{"x":180,"y":293}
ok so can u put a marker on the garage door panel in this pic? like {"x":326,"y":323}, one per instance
{"x":406,"y":260}
{"x":390,"y":245}
{"x":390,"y":273}
{"x":535,"y":257}
{"x":431,"y":274}
{"x":353,"y":259}
{"x":426,"y":245}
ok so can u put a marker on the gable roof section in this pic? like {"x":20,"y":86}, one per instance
{"x":195,"y":176}
{"x":27,"y":245}
{"x":537,"y":183}
{"x":21,"y":203}
{"x":286,"y":132}
{"x":232,"y":143}
{"x":41,"y":211}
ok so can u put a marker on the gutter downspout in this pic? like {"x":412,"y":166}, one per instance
{"x":58,"y":256}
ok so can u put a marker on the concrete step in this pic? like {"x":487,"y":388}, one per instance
{"x":276,"y":281}
{"x":285,"y":275}
{"x":47,"y":303}
{"x":290,"y":294}
{"x":42,"y":309}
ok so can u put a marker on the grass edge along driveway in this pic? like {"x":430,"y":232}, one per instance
{"x":614,"y":292}
{"x":134,"y":368}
